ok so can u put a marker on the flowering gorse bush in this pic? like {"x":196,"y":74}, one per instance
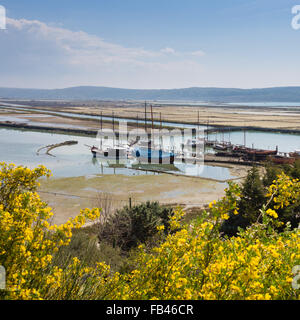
{"x":193,"y":261}
{"x":27,"y":240}
{"x":196,"y":263}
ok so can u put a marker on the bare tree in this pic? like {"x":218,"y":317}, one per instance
{"x":108,"y":207}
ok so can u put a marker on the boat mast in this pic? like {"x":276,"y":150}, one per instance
{"x":148,"y":136}
{"x":244,"y":135}
{"x":152,"y":117}
{"x":113,"y":119}
{"x":145,"y":116}
{"x":207,"y":129}
{"x":160,"y":120}
{"x":101,"y":124}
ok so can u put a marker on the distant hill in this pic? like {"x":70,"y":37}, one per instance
{"x":277,"y":94}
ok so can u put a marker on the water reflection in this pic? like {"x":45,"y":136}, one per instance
{"x":20,"y":147}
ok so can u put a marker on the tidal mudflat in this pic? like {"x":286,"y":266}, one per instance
{"x":68,"y":195}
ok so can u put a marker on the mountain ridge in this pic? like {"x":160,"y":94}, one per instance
{"x":207,"y":94}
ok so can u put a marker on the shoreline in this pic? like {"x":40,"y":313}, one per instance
{"x":218,"y":128}
{"x":68,"y":195}
{"x":214,"y":118}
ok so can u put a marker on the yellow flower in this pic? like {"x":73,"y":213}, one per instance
{"x":272,"y":213}
{"x":225,"y":216}
{"x":212,"y":204}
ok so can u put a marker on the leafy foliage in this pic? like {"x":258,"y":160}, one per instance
{"x":252,"y":197}
{"x":27,"y":241}
{"x":189,"y":261}
{"x":131,"y":226}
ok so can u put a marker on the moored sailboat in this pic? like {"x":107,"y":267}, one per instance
{"x":157,"y":156}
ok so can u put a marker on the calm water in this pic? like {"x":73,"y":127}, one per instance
{"x":20,"y":147}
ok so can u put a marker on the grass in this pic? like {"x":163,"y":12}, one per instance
{"x":86,"y":246}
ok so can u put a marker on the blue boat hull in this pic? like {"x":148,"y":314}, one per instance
{"x":153,"y":156}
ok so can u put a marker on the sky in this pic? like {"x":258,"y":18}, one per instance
{"x":149,"y":44}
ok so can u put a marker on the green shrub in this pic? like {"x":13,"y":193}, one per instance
{"x":129,"y":227}
{"x":251,"y":200}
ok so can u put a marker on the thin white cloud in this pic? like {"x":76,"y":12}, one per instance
{"x":78,"y":42}
{"x":37,"y":54}
{"x":168,"y":50}
{"x":198,"y":53}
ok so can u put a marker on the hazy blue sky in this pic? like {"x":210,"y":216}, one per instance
{"x":149,"y":44}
